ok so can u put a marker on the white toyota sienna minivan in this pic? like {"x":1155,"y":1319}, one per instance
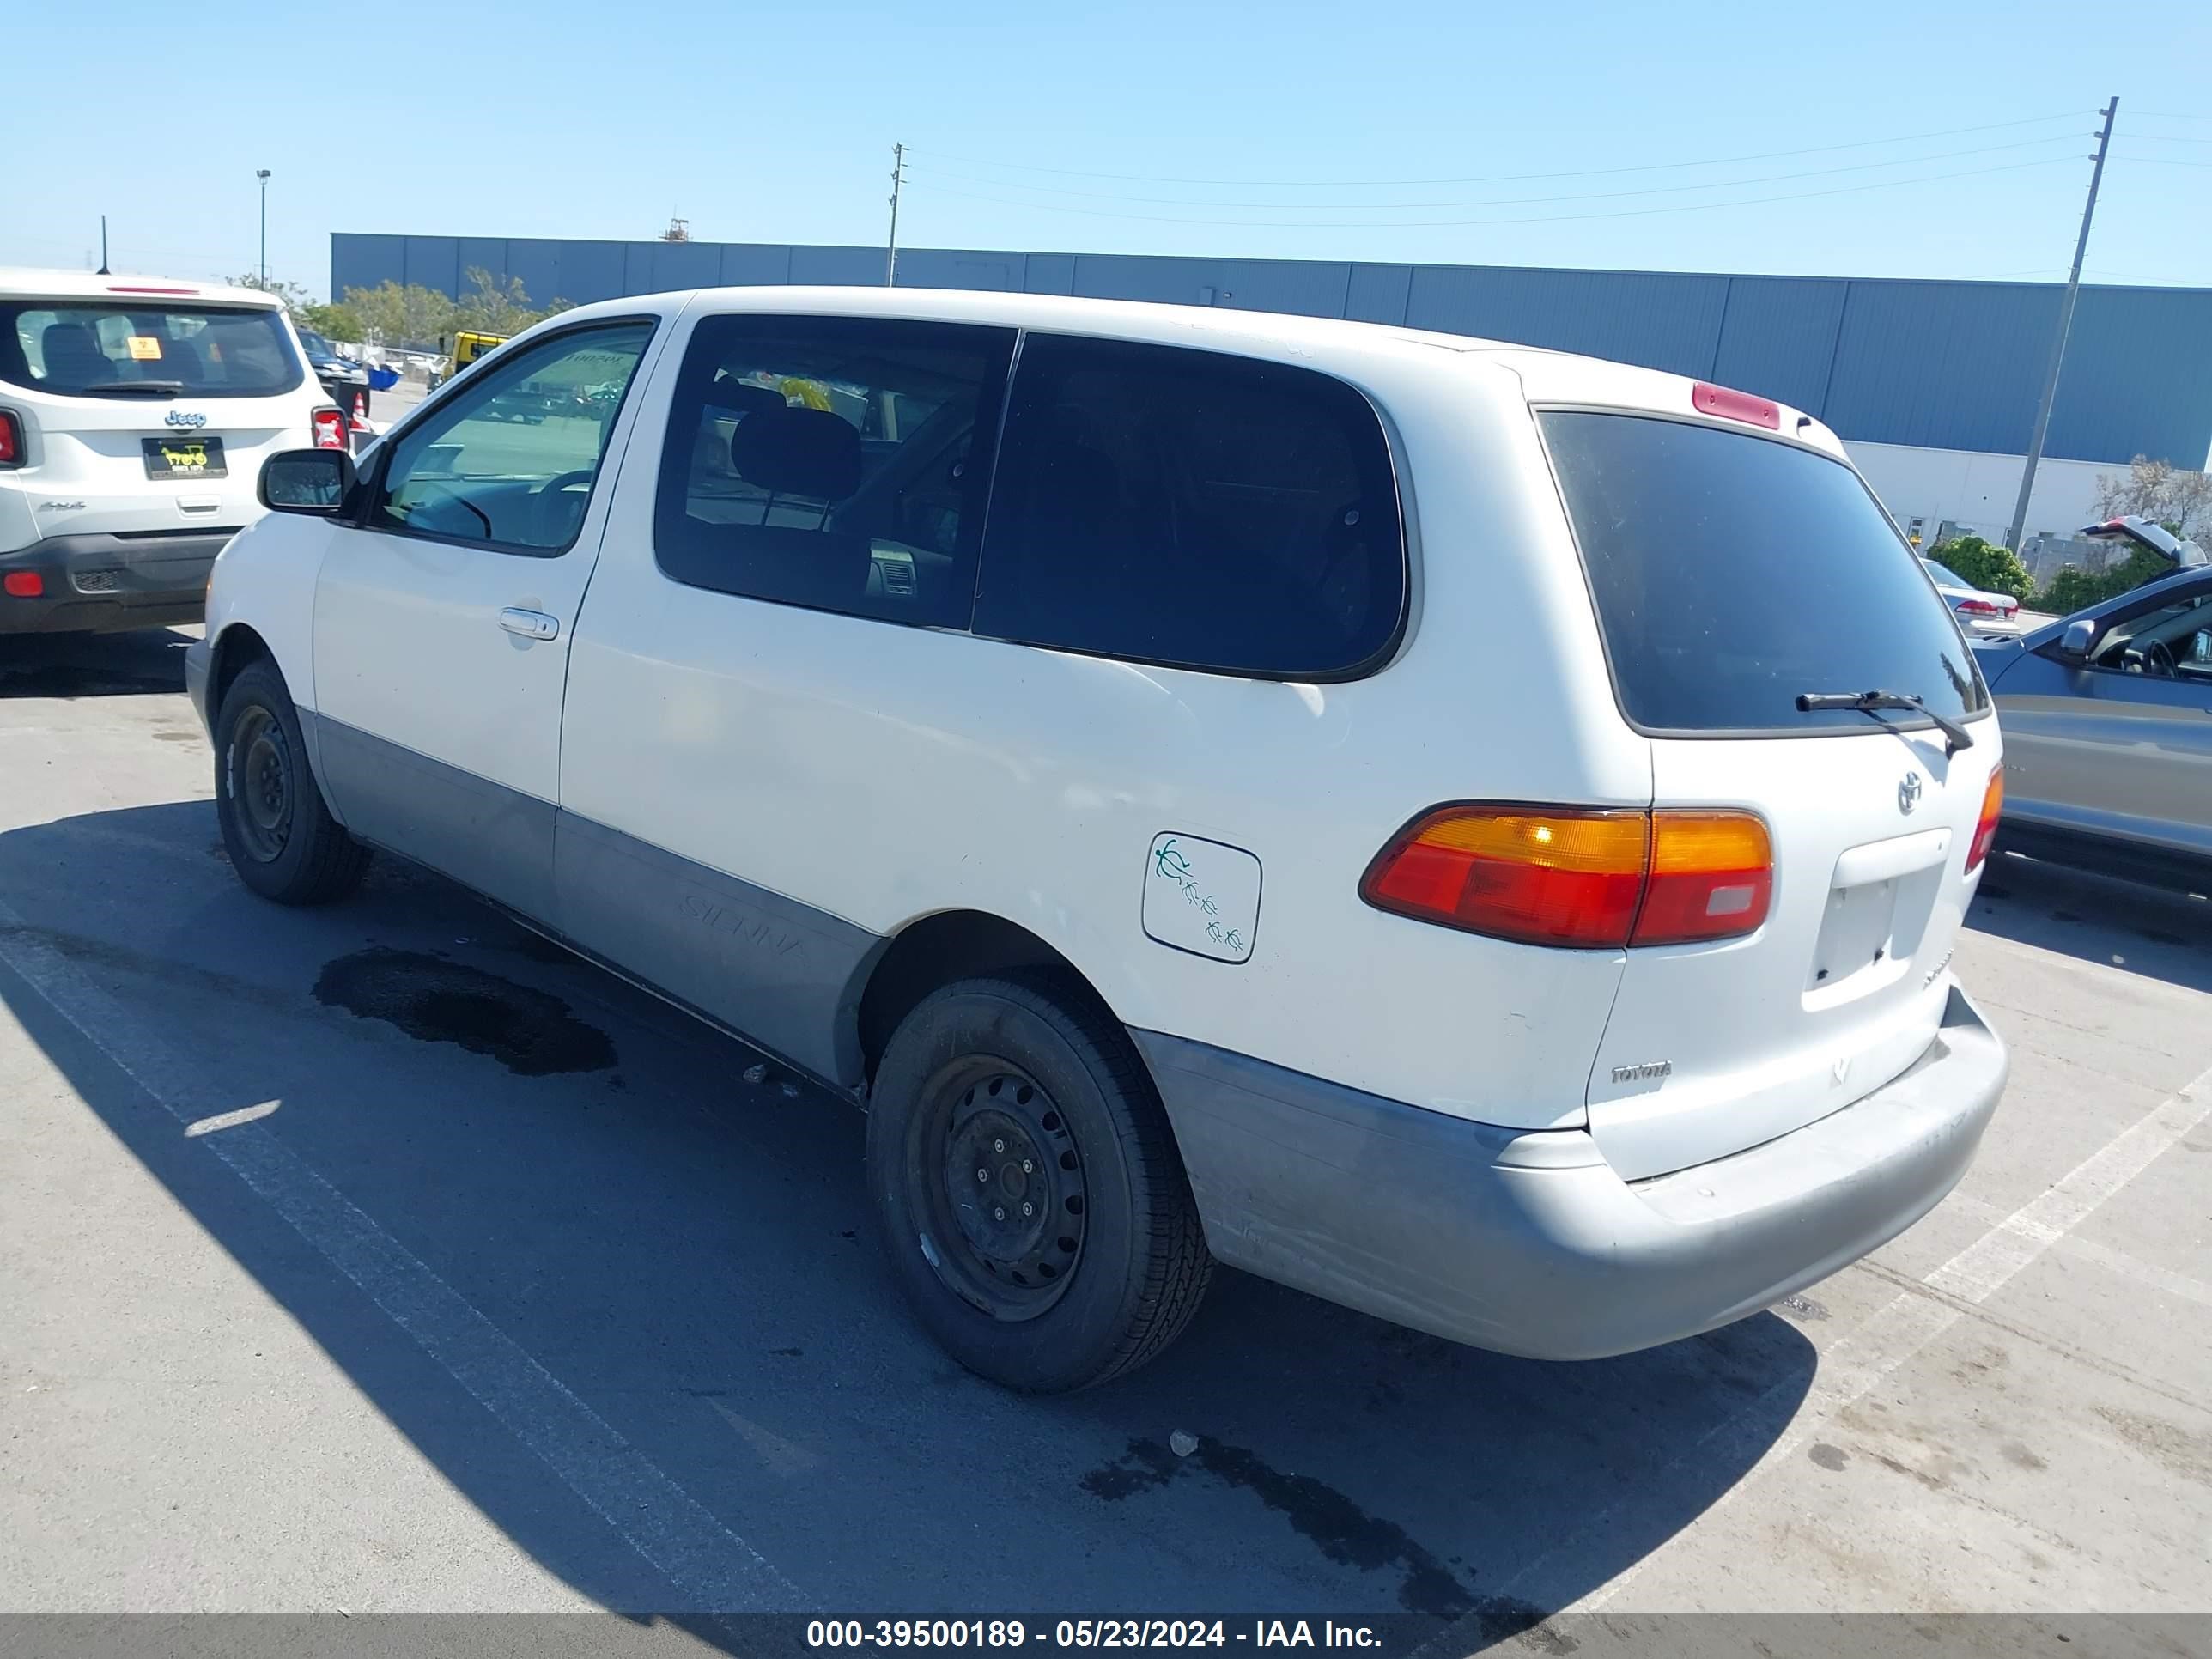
{"x":1475,"y":833}
{"x":135,"y":414}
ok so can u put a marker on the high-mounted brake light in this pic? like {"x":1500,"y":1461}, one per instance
{"x":1986,"y":827}
{"x":1733,"y":405}
{"x":328,"y":428}
{"x":119,"y":287}
{"x":1578,"y":878}
{"x":11,"y":440}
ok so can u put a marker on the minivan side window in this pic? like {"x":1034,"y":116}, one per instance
{"x":838,"y":462}
{"x":1192,"y":509}
{"x":508,"y":460}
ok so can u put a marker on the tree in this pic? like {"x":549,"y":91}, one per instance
{"x":493,"y":307}
{"x":1991,"y":569}
{"x":2159,"y":491}
{"x":391,"y":314}
{"x":294,"y":296}
{"x":332,"y":322}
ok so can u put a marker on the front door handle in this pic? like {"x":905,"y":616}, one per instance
{"x":530,"y":625}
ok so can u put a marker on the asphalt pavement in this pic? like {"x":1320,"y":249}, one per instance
{"x":383,"y":1259}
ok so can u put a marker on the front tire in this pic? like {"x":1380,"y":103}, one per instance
{"x":998,"y":1093}
{"x":282,"y":840}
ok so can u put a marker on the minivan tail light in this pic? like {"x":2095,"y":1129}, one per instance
{"x":1986,"y":827}
{"x":1578,"y":878}
{"x":328,"y":427}
{"x":11,"y":440}
{"x":1712,"y":876}
{"x":1543,"y":878}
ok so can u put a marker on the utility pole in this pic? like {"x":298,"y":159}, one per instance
{"x":262,"y":174}
{"x":2065,"y":323}
{"x":890,"y":250}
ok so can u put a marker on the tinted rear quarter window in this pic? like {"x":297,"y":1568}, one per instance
{"x":837,"y":463}
{"x":1192,"y":509}
{"x":1732,"y":573}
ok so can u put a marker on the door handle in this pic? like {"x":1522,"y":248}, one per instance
{"x":530,"y":625}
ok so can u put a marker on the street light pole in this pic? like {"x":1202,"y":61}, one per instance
{"x":262,"y":174}
{"x":2058,"y":346}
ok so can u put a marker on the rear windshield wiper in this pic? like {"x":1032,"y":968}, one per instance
{"x":1955,"y":735}
{"x":134,"y":389}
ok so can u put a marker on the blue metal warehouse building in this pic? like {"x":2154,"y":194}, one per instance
{"x":1936,"y":365}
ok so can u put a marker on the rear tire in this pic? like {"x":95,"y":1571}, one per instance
{"x":282,"y":840}
{"x":997,"y":1093}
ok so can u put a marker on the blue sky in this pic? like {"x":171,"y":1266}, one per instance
{"x":775,"y":123}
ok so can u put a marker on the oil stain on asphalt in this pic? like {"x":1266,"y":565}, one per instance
{"x":527,"y":1030}
{"x":1339,"y":1528}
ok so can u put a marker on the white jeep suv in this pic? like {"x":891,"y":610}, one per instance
{"x":1344,"y":802}
{"x":135,"y":415}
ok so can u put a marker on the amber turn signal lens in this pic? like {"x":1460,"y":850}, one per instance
{"x":1985,"y":828}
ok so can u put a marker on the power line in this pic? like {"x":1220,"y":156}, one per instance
{"x":1509,"y":201}
{"x":2172,"y":138}
{"x":2162,"y":161}
{"x":1539,"y":219}
{"x":2175,"y":115}
{"x":1502,"y":177}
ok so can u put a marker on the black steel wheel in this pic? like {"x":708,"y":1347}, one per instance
{"x":1010,"y":1199}
{"x":1032,"y":1204}
{"x":282,"y":840}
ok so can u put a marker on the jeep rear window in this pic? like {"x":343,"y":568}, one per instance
{"x":1730,"y":572}
{"x":70,"y":347}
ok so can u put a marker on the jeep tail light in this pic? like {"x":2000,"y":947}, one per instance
{"x":329,"y":427}
{"x":1578,"y":878}
{"x":1985,"y":826}
{"x":11,"y":440}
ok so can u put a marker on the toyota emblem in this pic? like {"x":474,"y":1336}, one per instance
{"x":1908,"y":793}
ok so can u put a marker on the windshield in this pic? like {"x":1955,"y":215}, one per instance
{"x":1944,"y":575}
{"x":73,"y":346}
{"x":1731,"y":573}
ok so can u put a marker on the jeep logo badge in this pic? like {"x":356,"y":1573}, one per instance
{"x":181,"y":417}
{"x":1908,"y":794}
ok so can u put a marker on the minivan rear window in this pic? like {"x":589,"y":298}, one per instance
{"x":1731,"y":573}
{"x":104,"y":348}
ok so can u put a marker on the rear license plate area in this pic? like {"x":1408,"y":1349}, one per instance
{"x":184,"y":458}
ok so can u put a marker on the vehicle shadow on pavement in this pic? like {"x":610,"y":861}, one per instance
{"x":2096,"y":918}
{"x":92,"y":665}
{"x":684,"y":1244}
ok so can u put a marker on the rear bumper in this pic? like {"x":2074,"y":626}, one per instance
{"x":1527,"y":1243}
{"x":100,"y":583}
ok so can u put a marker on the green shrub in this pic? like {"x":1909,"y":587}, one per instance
{"x":1984,"y":565}
{"x":2072,"y":590}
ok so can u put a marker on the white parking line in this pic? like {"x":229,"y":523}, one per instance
{"x":710,"y":1567}
{"x":1893,"y":1333}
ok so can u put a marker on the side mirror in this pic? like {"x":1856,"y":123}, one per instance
{"x":2075,"y":642}
{"x":315,"y":481}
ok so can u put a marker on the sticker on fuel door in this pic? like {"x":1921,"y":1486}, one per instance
{"x":1202,"y":897}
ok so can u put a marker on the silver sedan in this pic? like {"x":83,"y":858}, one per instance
{"x":2107,"y":718}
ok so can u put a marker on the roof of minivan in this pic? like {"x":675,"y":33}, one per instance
{"x":20,"y":282}
{"x":1044,"y":311}
{"x":1553,"y":376}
